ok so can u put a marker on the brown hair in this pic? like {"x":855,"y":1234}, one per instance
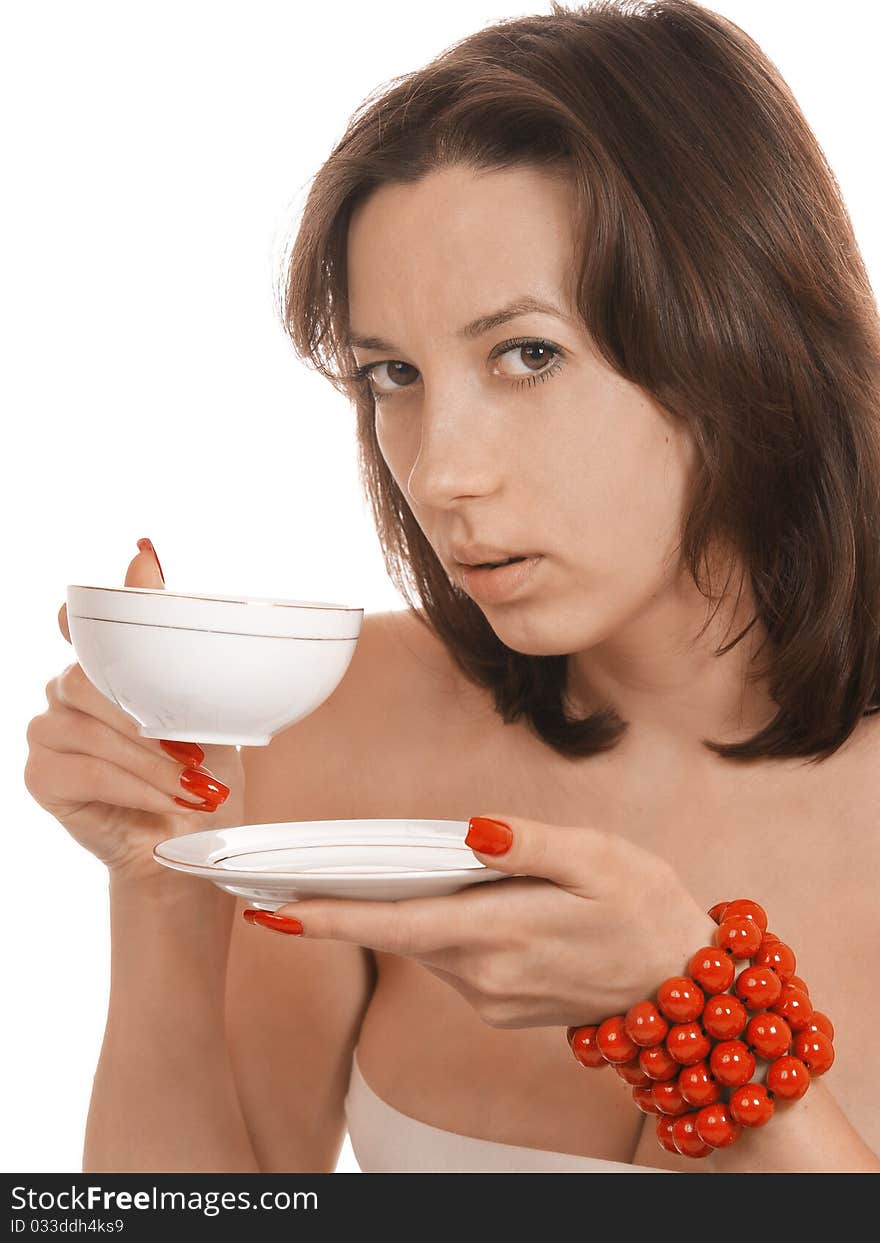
{"x":718,"y":271}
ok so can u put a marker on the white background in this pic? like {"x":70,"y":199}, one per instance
{"x":154,"y":157}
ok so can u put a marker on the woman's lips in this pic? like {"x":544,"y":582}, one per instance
{"x":494,"y":565}
{"x":495,"y":586}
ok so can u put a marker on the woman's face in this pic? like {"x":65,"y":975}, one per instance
{"x":532,"y":448}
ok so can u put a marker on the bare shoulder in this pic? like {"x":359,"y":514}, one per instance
{"x":398,"y":702}
{"x":852,"y":803}
{"x":402,"y":680}
{"x":853,"y":772}
{"x":827,"y":816}
{"x":425,"y":664}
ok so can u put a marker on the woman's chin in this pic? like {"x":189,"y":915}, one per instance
{"x":530,"y":637}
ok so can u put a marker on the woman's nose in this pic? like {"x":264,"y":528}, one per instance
{"x":457,"y":457}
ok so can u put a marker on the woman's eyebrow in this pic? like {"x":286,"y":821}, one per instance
{"x":483,"y":323}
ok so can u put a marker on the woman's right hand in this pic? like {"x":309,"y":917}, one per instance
{"x":114,"y":791}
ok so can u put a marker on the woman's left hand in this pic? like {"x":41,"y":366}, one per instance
{"x":586,"y":925}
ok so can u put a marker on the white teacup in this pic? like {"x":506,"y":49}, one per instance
{"x":210,"y":668}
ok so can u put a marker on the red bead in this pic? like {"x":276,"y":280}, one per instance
{"x":745,"y":908}
{"x":740,"y":937}
{"x":732,"y":1063}
{"x":585,"y":1049}
{"x":697,"y":1085}
{"x":750,"y":1105}
{"x":724,"y":1017}
{"x":664,"y":1133}
{"x":668,"y":1098}
{"x":768,"y":1035}
{"x":820,"y":1022}
{"x":657,"y":1063}
{"x":688,"y":1043}
{"x":794,"y":1006}
{"x":758,"y":987}
{"x":815,"y":1050}
{"x":712,"y":969}
{"x":715,"y":1125}
{"x":788,"y":1078}
{"x":686,"y":1139}
{"x":614,"y":1044}
{"x":680,"y":999}
{"x":645,"y":1025}
{"x":632,"y":1073}
{"x":798,"y":983}
{"x":717,"y":911}
{"x":778,"y":955}
{"x":645,"y":1101}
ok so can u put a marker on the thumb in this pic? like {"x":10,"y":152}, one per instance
{"x":144,"y":570}
{"x":570,"y":856}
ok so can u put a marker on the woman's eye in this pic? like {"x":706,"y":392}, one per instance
{"x":395,"y":370}
{"x":534,"y":354}
{"x":538,"y":359}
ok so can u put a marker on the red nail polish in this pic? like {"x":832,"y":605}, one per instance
{"x":184,"y":752}
{"x":204,"y":785}
{"x":491,"y":837}
{"x":278,"y":923}
{"x":146,"y":545}
{"x":208,"y":805}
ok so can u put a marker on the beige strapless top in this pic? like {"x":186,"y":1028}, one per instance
{"x":386,"y":1141}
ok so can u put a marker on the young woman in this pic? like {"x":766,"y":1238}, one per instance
{"x":593,"y":290}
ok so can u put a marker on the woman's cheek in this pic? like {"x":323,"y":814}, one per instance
{"x":397,"y":448}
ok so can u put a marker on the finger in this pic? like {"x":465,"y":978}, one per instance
{"x":413,"y":927}
{"x":66,"y":732}
{"x":144,"y":570}
{"x":575,"y":857}
{"x":62,"y":622}
{"x":64,"y":778}
{"x":73,"y":689}
{"x":189,"y":753}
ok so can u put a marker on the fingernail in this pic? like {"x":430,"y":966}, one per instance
{"x":205,"y":785}
{"x":183,"y":752}
{"x":146,"y":545}
{"x":278,"y":923}
{"x":492,"y":837}
{"x":208,"y":805}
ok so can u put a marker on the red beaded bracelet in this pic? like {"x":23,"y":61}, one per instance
{"x":691,"y":1054}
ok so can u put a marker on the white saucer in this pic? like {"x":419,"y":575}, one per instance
{"x":270,"y":864}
